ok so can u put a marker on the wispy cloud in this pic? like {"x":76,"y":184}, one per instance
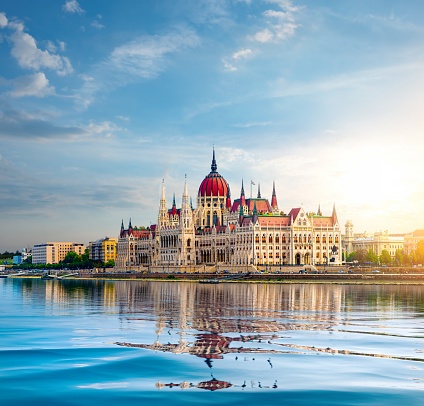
{"x":97,"y":24}
{"x":281,"y":23}
{"x":254,"y":124}
{"x":143,"y":58}
{"x":73,"y":7}
{"x":34,"y":126}
{"x":229,"y":64}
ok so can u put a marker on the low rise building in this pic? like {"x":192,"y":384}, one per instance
{"x":54,"y":252}
{"x":377,"y":242}
{"x":412,"y":240}
{"x":103,"y":249}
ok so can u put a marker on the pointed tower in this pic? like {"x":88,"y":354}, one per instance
{"x":121,"y":234}
{"x":319,"y":213}
{"x":254,"y":214}
{"x":242,"y":195}
{"x":174,"y":206}
{"x":163,"y":218}
{"x":214,"y":166}
{"x":334,"y":216}
{"x":228,"y":200}
{"x":130,"y":228}
{"x":187,"y":255}
{"x":259,"y":191}
{"x":243,"y":205}
{"x":274,"y":204}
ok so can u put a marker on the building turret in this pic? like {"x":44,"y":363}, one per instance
{"x":121,"y":234}
{"x":334,"y":216}
{"x":274,"y":203}
{"x":163,"y":218}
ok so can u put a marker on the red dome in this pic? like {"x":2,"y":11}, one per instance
{"x":214,"y":184}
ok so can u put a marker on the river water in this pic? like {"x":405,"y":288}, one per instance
{"x":82,"y":342}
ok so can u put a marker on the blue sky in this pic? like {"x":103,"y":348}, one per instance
{"x":101,"y":100}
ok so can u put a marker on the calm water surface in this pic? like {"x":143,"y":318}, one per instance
{"x":83,"y":342}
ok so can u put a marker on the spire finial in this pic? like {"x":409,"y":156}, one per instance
{"x":214,"y":166}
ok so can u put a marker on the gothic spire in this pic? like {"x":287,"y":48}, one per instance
{"x":259,"y":191}
{"x":274,"y":204}
{"x":334,"y":215}
{"x":214,"y":166}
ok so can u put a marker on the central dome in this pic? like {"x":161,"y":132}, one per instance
{"x":214,"y":184}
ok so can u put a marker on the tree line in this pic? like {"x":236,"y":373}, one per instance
{"x":72,"y":261}
{"x":401,"y":257}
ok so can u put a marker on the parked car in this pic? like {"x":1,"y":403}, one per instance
{"x":375,"y":271}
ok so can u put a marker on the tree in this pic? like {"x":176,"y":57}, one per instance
{"x":399,"y":257}
{"x":385,"y":257}
{"x":371,"y":256}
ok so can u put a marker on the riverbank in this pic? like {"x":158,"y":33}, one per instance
{"x":346,"y":278}
{"x":332,"y":278}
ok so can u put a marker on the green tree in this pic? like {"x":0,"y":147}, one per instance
{"x":399,"y":257}
{"x":385,"y":257}
{"x":371,"y":256}
{"x":86,"y":256}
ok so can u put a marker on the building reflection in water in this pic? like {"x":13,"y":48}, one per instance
{"x":212,"y":321}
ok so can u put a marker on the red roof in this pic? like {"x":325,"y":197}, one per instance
{"x":262,"y":205}
{"x":294,"y":213}
{"x":322,"y":221}
{"x":274,"y":221}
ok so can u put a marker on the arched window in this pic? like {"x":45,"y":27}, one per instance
{"x":277,"y":239}
{"x":270,"y":238}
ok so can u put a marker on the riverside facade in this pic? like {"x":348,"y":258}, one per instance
{"x":221,"y":234}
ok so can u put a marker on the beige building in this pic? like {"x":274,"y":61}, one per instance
{"x":412,"y":239}
{"x":377,"y":242}
{"x":103,"y":250}
{"x":221,"y":233}
{"x":54,"y":252}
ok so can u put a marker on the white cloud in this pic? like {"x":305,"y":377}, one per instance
{"x":241,"y":54}
{"x":29,"y":56}
{"x":263,"y":36}
{"x":96,"y":24}
{"x":36,"y":85}
{"x":3,"y":20}
{"x":72,"y":6}
{"x":281,"y":23}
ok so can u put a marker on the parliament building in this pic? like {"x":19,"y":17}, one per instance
{"x":244,"y":234}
